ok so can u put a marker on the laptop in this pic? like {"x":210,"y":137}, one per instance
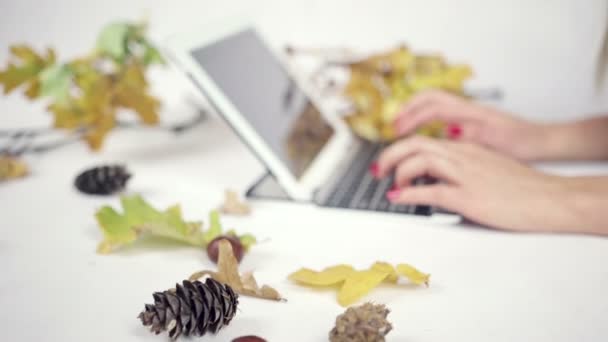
{"x":310,"y":152}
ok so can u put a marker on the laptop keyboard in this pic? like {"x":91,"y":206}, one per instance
{"x":358,"y":189}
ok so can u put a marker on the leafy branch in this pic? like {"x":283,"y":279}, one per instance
{"x":86,"y":93}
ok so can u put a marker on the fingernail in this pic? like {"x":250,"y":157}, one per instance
{"x":392,"y":195}
{"x":393,"y":188}
{"x":454,"y":131}
{"x":374,"y":169}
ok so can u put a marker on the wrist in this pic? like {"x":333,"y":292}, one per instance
{"x":549,"y":142}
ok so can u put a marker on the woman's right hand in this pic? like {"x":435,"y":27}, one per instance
{"x":472,"y":122}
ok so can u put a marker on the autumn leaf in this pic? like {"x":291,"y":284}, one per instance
{"x":233,"y":205}
{"x":131,"y":92}
{"x":358,"y":284}
{"x":414,"y":275}
{"x":228,"y":273}
{"x":87,"y":93}
{"x":355,"y":284}
{"x":140,"y":218}
{"x":12,"y":168}
{"x":24,"y":69}
{"x":382,"y":83}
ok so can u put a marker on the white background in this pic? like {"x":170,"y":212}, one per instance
{"x":485,"y":285}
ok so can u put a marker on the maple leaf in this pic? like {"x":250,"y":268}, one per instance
{"x":141,"y":218}
{"x":354,"y":284}
{"x":131,"y":92}
{"x":24,"y":69}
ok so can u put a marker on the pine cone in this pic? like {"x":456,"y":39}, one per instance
{"x":365,"y":323}
{"x":194,"y":308}
{"x":102,"y":180}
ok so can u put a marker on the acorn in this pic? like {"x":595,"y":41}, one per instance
{"x":237,"y":247}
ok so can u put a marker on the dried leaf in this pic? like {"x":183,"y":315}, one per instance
{"x":233,"y":205}
{"x":354,"y":284}
{"x":140,"y":218}
{"x":228,"y":273}
{"x":11,"y":168}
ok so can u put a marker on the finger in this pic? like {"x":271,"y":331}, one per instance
{"x":425,"y":164}
{"x":440,"y":195}
{"x":408,"y":123}
{"x":423,"y":99}
{"x":392,"y":155}
{"x":462,"y":131}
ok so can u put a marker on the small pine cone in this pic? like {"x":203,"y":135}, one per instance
{"x":365,"y":323}
{"x":102,"y":180}
{"x":194,"y":308}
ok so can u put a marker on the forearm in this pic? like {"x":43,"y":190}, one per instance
{"x":581,"y":140}
{"x":587,"y":200}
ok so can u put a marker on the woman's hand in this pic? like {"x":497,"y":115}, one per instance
{"x":472,"y":122}
{"x":492,"y":189}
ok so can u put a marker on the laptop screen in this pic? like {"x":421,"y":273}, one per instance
{"x":259,"y":87}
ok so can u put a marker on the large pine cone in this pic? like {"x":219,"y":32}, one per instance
{"x":194,"y":308}
{"x":102,"y":180}
{"x":365,"y":323}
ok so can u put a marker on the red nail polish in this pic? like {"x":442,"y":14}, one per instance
{"x":393,"y":188}
{"x":392,"y":195}
{"x":374,"y":169}
{"x":454,"y":131}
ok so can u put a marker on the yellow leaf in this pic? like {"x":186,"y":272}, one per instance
{"x":380,"y":84}
{"x":413,"y":275}
{"x":25,"y":69}
{"x":131,"y":92}
{"x":355,"y":284}
{"x":388,"y":268}
{"x":358,"y":284}
{"x":329,"y":276}
{"x":11,"y":168}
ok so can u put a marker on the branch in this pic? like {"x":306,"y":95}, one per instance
{"x":21,"y":140}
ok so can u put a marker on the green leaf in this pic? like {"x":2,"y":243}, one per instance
{"x":140,"y":218}
{"x":152,"y":55}
{"x":215,"y":227}
{"x":112,"y":40}
{"x":55,"y":82}
{"x":248,"y":240}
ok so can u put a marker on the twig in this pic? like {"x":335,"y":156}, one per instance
{"x":21,"y":140}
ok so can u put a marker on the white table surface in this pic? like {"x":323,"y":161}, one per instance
{"x":486,"y":285}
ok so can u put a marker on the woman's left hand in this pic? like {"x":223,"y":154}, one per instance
{"x":478,"y":183}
